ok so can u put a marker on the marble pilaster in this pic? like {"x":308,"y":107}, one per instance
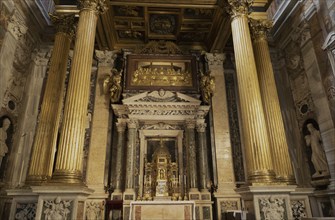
{"x":223,"y":148}
{"x":95,"y":173}
{"x":42,"y":158}
{"x":255,"y":136}
{"x":275,"y":126}
{"x":68,"y":167}
{"x":20,"y":154}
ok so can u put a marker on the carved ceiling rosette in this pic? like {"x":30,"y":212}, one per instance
{"x":162,"y":24}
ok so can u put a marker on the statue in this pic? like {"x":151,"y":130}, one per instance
{"x":207,"y":84}
{"x":3,"y":137}
{"x":319,"y":159}
{"x":112,"y":85}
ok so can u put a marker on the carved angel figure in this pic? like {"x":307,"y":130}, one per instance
{"x":112,"y":85}
{"x":207,"y":84}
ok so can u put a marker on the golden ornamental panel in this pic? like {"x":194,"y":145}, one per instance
{"x":152,"y":72}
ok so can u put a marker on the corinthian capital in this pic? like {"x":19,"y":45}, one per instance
{"x":99,"y":6}
{"x":64,"y":23}
{"x":260,"y":28}
{"x":238,"y":7}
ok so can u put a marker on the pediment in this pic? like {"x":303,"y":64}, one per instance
{"x":161,"y":106}
{"x":161,"y":96}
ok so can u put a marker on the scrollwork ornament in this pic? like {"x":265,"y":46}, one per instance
{"x":64,"y":23}
{"x":238,"y":7}
{"x":99,"y":6}
{"x":260,"y":28}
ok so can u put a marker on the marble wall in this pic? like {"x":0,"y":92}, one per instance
{"x":303,"y":64}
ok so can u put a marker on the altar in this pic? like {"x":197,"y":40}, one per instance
{"x":147,"y":210}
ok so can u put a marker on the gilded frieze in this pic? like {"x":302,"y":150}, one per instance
{"x":161,"y":72}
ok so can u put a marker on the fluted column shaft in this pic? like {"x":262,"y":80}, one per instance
{"x":119,"y":155}
{"x":68,"y":167}
{"x":279,"y":148}
{"x":192,"y":156}
{"x":131,"y":157}
{"x":43,"y":153}
{"x":255,"y":136}
{"x":202,"y":152}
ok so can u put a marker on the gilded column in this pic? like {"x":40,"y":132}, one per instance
{"x":68,"y":167}
{"x":121,"y":126}
{"x":192,"y":158}
{"x":203,"y":158}
{"x":255,"y":136}
{"x":44,"y":147}
{"x":279,"y":148}
{"x":131,"y":157}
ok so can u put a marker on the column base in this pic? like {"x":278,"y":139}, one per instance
{"x":23,"y":203}
{"x":37,"y":180}
{"x":117,"y":195}
{"x":267,"y":202}
{"x":227,"y":200}
{"x":66,"y":177}
{"x":322,"y":202}
{"x":129,"y":195}
{"x":203,"y":208}
{"x":48,"y":202}
{"x":262,"y":176}
{"x":300,"y":203}
{"x":288,"y":180}
{"x":194,"y":194}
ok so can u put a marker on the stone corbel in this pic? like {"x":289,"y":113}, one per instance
{"x":105,"y":58}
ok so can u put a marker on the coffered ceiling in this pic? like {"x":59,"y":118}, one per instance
{"x":192,"y":24}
